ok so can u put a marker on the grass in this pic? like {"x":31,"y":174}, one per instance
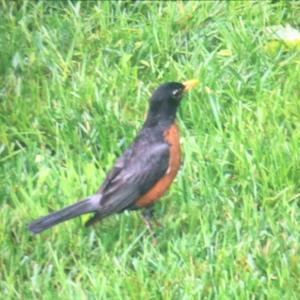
{"x":74,"y":82}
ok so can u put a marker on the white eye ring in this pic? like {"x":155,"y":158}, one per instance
{"x":176,"y":92}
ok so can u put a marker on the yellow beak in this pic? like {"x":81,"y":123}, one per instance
{"x":188,"y":85}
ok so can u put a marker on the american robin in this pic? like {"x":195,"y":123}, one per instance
{"x":145,"y":170}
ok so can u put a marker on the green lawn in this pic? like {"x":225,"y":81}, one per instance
{"x":74,"y":83}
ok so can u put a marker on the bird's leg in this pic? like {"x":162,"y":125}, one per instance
{"x":147,"y":216}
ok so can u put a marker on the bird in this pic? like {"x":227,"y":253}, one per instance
{"x":143,"y":173}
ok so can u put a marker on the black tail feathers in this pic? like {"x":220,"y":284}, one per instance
{"x":88,"y":205}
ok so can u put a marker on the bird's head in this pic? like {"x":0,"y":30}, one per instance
{"x":166,"y":98}
{"x":172,"y":92}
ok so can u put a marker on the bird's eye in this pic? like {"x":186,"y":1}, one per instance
{"x":176,"y":92}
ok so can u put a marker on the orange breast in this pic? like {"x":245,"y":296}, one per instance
{"x":171,"y":136}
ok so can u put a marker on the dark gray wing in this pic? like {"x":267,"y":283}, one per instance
{"x":132,"y":176}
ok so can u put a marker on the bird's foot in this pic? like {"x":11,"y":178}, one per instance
{"x":149,"y":221}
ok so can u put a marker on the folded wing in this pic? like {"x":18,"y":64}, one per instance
{"x":133,"y":175}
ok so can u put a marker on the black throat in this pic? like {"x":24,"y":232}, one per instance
{"x":161,"y":114}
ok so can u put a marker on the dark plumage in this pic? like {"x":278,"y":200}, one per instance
{"x":142,"y":166}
